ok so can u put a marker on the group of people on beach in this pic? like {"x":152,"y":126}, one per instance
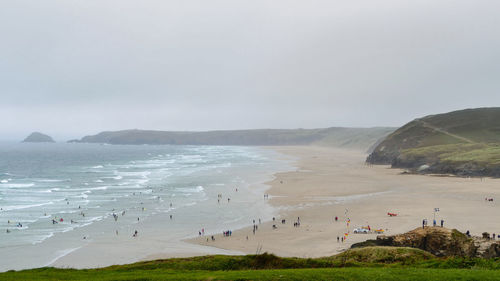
{"x":434,"y":223}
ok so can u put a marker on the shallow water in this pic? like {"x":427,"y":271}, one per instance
{"x":50,"y":189}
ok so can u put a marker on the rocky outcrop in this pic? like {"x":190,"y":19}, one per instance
{"x":441,"y":242}
{"x":38,"y":137}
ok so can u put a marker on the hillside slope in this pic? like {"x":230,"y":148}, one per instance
{"x":465,"y":142}
{"x":356,"y":138}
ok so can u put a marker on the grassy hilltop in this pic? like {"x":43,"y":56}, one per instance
{"x":465,"y":142}
{"x":371,"y":263}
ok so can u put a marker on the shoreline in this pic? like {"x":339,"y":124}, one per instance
{"x":156,"y":242}
{"x":321,"y":183}
{"x":333,"y":182}
{"x":159,"y":236}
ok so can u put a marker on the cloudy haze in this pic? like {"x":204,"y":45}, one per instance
{"x":72,"y":68}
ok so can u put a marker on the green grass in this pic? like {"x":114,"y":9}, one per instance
{"x":487,"y":155}
{"x":371,"y":263}
{"x":362,"y":273}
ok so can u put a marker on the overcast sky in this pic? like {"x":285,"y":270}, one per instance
{"x":72,"y":68}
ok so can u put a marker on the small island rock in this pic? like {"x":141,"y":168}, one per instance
{"x":38,"y":137}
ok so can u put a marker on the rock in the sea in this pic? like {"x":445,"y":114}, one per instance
{"x":38,"y":137}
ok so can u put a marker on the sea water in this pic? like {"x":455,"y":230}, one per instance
{"x":50,"y":189}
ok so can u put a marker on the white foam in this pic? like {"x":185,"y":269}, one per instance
{"x":52,"y":180}
{"x":98,"y":167}
{"x":62,"y":253}
{"x":47,"y":190}
{"x":19,"y":207}
{"x":42,"y":238}
{"x":141,"y":181}
{"x":17,"y":185}
{"x":197,"y":189}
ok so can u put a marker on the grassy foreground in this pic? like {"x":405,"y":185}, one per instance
{"x":372,"y":263}
{"x":359,"y":273}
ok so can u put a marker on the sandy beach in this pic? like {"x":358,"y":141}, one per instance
{"x":333,"y":182}
{"x":325,"y":183}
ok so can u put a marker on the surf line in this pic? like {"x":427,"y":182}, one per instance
{"x":63,"y":253}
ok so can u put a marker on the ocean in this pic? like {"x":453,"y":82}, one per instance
{"x":48,"y":190}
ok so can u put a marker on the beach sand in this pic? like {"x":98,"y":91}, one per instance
{"x":333,"y":182}
{"x":327,"y":182}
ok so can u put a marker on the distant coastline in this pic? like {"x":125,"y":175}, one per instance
{"x":358,"y":138}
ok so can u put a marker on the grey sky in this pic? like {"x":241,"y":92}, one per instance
{"x":71,"y":68}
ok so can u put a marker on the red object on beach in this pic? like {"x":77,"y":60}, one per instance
{"x":61,"y":220}
{"x":392,"y":214}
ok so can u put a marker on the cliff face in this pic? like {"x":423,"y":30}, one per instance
{"x":441,"y":242}
{"x":38,"y":137}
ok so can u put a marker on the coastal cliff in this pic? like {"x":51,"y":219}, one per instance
{"x":463,"y":143}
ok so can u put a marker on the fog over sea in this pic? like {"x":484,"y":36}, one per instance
{"x":78,"y":185}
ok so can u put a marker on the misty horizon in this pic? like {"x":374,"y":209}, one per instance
{"x":75,"y":69}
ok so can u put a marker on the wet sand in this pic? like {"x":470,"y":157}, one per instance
{"x":333,"y":182}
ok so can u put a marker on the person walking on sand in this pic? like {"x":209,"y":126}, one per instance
{"x":423,"y":223}
{"x":434,"y":222}
{"x":442,"y":222}
{"x":338,"y":239}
